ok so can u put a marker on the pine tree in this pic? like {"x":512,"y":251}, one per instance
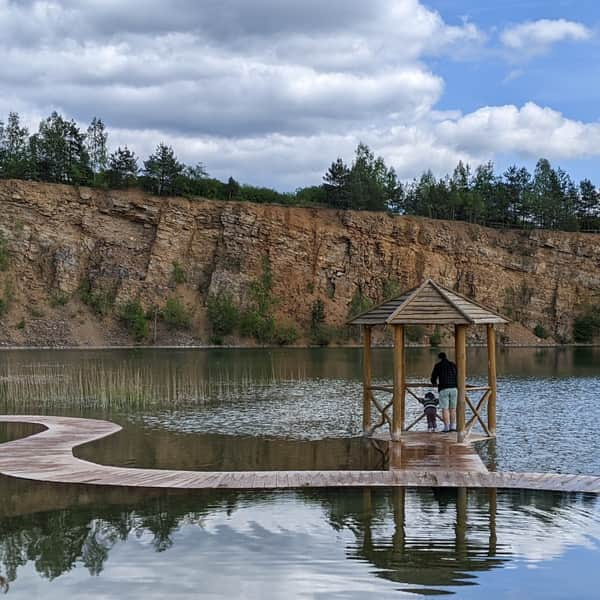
{"x":588,"y":209}
{"x":336,"y":185}
{"x":162,"y":170}
{"x":14,"y":149}
{"x":122,"y":168}
{"x":232,"y":189}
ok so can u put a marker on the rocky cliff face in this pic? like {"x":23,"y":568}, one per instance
{"x":125,"y":245}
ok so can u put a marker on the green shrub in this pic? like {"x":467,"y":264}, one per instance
{"x":261,"y":290}
{"x":322,"y":336}
{"x":4,"y":257}
{"x":586,"y":326}
{"x":540,"y":331}
{"x":435,"y":339}
{"x":7,"y":298}
{"x":176,"y":315}
{"x":415,"y":333}
{"x":258,"y":321}
{"x":101,"y":302}
{"x":257,"y":326}
{"x":58,"y":299}
{"x":135,"y":319}
{"x":317,"y":314}
{"x":178,"y":274}
{"x":358,"y":304}
{"x":35,"y":312}
{"x":285,"y":335}
{"x":391,"y":288}
{"x":21,"y":324}
{"x":222,"y":313}
{"x":319,"y":334}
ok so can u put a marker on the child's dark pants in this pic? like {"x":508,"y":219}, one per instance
{"x":431,"y":413}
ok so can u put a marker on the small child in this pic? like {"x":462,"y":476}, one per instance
{"x":430,"y":403}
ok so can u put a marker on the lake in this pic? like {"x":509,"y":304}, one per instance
{"x":294,"y":409}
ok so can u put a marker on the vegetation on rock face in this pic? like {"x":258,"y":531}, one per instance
{"x":4,"y":257}
{"x":6,"y":298}
{"x":415,"y":333}
{"x":135,"y":319}
{"x":178,"y":274}
{"x":58,"y":299}
{"x":223,"y":315}
{"x":587,"y":326}
{"x":100,"y":301}
{"x":435,"y":339}
{"x":319,"y":333}
{"x":541,"y":332}
{"x":391,"y":289}
{"x":60,"y":152}
{"x":176,"y":315}
{"x":258,"y":321}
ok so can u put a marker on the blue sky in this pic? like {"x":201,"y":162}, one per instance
{"x":564,"y":77}
{"x":272,"y":91}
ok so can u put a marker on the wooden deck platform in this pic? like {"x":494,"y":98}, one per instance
{"x":48,"y":457}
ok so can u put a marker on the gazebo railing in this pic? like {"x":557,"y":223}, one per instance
{"x":476,"y":406}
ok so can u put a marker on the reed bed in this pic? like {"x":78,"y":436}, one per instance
{"x":94,"y":385}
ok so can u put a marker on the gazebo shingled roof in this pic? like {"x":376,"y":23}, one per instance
{"x":429,"y":303}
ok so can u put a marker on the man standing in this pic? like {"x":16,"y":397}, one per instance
{"x":444,"y":376}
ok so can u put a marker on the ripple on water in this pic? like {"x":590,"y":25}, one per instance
{"x":544,"y":424}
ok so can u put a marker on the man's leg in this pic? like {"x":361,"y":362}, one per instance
{"x":452,"y":406}
{"x":445,"y":409}
{"x":446,"y":418}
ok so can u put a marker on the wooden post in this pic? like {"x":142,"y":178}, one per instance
{"x":492,"y":543}
{"x":461,"y":522}
{"x":399,"y":383}
{"x":460,"y":340}
{"x":398,"y":539}
{"x":367,"y":380}
{"x":491,"y":348}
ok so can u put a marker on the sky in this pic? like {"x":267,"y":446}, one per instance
{"x":272,"y":91}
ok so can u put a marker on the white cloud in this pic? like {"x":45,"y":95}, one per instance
{"x":530,"y":131}
{"x":535,"y":37}
{"x":272,"y":92}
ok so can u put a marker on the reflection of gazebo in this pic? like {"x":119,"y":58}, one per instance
{"x":414,"y":554}
{"x":430,"y":304}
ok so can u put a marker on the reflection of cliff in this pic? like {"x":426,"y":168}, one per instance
{"x":125,"y":244}
{"x":424,"y":540}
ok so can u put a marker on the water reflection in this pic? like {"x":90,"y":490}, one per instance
{"x":351,"y":543}
{"x":272,"y":408}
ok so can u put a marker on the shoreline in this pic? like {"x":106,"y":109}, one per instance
{"x":278,"y":347}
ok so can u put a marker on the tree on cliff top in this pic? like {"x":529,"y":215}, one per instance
{"x":368,"y":185}
{"x":95,"y":142}
{"x":162,"y":170}
{"x":14,"y":155}
{"x":58,"y":152}
{"x":122,"y":168}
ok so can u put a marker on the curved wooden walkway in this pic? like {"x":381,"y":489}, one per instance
{"x":48,"y":457}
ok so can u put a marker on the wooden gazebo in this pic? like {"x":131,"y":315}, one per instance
{"x":430,"y":304}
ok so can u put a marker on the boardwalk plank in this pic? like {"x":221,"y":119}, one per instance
{"x":425,"y":460}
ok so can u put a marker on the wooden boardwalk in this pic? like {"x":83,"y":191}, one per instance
{"x":48,"y":457}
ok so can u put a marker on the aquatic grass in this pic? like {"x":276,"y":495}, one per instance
{"x":101,"y":387}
